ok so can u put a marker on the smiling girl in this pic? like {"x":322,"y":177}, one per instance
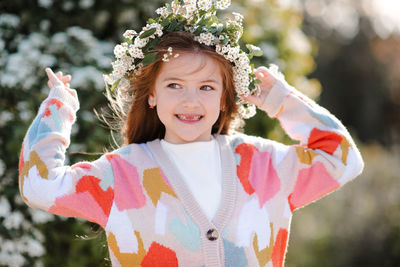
{"x":186,"y":189}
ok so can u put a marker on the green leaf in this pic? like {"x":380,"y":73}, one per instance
{"x":149,"y":58}
{"x":252,"y":86}
{"x":254,"y":50}
{"x":129,"y":41}
{"x":148,"y":33}
{"x":172,"y":26}
{"x":150,"y":20}
{"x":165,"y":22}
{"x":115,"y":84}
{"x":153,"y":42}
{"x":257,"y":80}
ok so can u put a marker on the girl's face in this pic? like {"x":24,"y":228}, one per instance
{"x":187,"y":95}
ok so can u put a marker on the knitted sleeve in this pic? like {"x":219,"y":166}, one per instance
{"x":325,"y":159}
{"x":83,"y":190}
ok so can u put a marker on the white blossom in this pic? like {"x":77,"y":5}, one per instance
{"x":123,"y":84}
{"x":5,"y":207}
{"x":119,"y":68}
{"x":190,"y":6}
{"x":40,"y":216}
{"x":108,"y":79}
{"x":238,"y":17}
{"x":223,"y":4}
{"x":135,"y":52}
{"x":129,"y":34}
{"x":9,"y":20}
{"x":204,"y":4}
{"x":139,"y":42}
{"x":247,"y":112}
{"x":162,"y":11}
{"x":120,"y":50}
{"x":13,"y":220}
{"x":45,"y":3}
{"x":158,"y":28}
{"x":205,"y":38}
{"x":5,"y":116}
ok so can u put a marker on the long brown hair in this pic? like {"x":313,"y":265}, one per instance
{"x":141,"y":123}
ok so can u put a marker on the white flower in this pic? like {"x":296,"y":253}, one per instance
{"x":162,"y":11}
{"x":238,"y":17}
{"x":156,"y":26}
{"x":190,"y":6}
{"x":34,"y":248}
{"x":225,"y":48}
{"x":135,"y":52}
{"x":123,"y":85}
{"x":223,"y":4}
{"x":242,"y":60}
{"x":13,"y":220}
{"x":247,"y":112}
{"x":204,"y":4}
{"x":233,"y":53}
{"x":176,"y":7}
{"x":119,"y":68}
{"x":165,"y":58}
{"x":4,"y":207}
{"x":129,"y":34}
{"x":108,"y":79}
{"x":40,"y":216}
{"x":139,"y":42}
{"x":205,"y":38}
{"x":120,"y":50}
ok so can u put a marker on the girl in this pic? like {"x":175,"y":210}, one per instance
{"x":185,"y":189}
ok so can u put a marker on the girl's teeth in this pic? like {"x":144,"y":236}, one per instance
{"x":191,"y":118}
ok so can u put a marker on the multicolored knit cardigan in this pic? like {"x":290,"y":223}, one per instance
{"x":150,"y":216}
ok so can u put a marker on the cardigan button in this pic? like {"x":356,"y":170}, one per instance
{"x":212,"y":234}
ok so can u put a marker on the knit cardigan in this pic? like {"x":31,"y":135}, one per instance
{"x":150,"y":216}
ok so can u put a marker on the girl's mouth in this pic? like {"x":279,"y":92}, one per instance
{"x":189,"y":118}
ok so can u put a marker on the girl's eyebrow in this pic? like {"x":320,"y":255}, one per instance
{"x":178,"y":79}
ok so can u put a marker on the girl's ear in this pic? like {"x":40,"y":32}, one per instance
{"x":152,"y":100}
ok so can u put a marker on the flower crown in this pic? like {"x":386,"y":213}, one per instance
{"x":199,"y":18}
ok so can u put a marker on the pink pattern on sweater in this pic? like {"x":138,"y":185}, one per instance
{"x":263,"y":177}
{"x":312,"y":183}
{"x":128,"y":189}
{"x":80,"y":205}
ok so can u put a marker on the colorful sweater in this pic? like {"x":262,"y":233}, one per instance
{"x":148,"y":213}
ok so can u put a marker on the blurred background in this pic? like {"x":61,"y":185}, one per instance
{"x":345,"y":54}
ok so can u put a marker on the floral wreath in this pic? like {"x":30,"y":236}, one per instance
{"x":199,"y":18}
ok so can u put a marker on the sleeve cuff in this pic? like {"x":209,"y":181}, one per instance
{"x":275,"y":97}
{"x":69,"y":97}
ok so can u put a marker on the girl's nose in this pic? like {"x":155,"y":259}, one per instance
{"x":191,"y":99}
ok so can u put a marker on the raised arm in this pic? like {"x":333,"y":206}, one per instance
{"x":82,"y":190}
{"x":326,"y":157}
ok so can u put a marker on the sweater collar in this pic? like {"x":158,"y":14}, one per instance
{"x":229,"y":183}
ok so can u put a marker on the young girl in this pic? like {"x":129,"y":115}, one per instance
{"x":185,"y":189}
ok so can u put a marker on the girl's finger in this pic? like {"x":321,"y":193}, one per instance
{"x":263,"y":74}
{"x":67,"y":85}
{"x":59,"y":74}
{"x":66,"y":78}
{"x":51,"y":75}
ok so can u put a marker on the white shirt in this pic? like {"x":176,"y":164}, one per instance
{"x":200,"y":166}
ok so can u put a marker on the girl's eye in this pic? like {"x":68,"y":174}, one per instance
{"x":173,"y":85}
{"x":207,"y":88}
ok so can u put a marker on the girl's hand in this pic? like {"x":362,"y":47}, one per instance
{"x":58,"y":79}
{"x":267,"y":81}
